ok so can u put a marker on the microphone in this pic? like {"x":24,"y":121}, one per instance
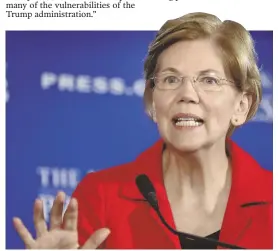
{"x":146,"y":188}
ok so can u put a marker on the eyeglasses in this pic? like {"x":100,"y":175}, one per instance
{"x":201,"y":83}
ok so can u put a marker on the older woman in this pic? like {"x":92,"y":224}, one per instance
{"x":202,"y":81}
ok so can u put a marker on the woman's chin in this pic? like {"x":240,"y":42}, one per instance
{"x":186,"y":145}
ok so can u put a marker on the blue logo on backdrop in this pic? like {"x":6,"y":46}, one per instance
{"x":74,"y":105}
{"x":65,"y":82}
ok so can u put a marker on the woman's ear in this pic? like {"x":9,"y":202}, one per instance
{"x":242,"y":108}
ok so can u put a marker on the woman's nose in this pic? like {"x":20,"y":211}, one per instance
{"x":187,"y":91}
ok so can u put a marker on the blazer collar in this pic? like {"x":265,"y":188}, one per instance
{"x":248,"y":178}
{"x":150,"y":163}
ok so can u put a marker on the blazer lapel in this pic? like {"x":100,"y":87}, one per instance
{"x":235,"y":223}
{"x":241,"y":221}
{"x":246,"y":200}
{"x":149,"y":163}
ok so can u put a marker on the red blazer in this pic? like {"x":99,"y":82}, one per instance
{"x":110,"y":198}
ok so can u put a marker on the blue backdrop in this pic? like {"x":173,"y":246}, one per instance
{"x":74,"y":105}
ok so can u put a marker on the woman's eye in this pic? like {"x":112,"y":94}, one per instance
{"x":209,"y":80}
{"x":171,"y":80}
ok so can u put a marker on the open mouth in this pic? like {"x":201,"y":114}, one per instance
{"x":187,"y":120}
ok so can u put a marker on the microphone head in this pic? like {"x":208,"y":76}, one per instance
{"x":146,"y":188}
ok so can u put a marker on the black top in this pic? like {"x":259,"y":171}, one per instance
{"x":191,"y":244}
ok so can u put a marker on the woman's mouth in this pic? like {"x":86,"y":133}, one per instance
{"x":187,"y":120}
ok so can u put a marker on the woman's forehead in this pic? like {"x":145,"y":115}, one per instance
{"x":173,"y":70}
{"x":190,"y":57}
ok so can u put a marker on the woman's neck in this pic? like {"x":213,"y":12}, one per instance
{"x":204,"y":175}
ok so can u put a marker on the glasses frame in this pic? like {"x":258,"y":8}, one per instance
{"x":193,"y":81}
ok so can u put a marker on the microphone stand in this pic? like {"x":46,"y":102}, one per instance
{"x":195,"y":237}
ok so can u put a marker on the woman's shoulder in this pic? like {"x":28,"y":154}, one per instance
{"x":247,"y":162}
{"x":249,"y":175}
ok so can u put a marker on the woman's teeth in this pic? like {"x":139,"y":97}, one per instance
{"x":188,"y":122}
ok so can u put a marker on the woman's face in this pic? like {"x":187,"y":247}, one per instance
{"x":188,"y":117}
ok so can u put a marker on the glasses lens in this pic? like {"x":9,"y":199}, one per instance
{"x":208,"y":83}
{"x":168,"y":82}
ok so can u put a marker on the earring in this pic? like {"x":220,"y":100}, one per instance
{"x":235,"y":121}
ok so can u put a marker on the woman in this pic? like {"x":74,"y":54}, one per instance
{"x":202,"y":81}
